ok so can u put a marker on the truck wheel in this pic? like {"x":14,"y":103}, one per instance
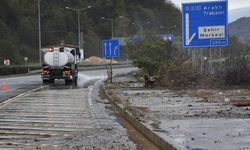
{"x":75,"y":80}
{"x":52,"y":81}
{"x":67,"y":82}
{"x":48,"y":81}
{"x":45,"y":81}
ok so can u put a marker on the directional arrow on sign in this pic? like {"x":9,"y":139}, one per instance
{"x":200,"y":28}
{"x":105,"y":48}
{"x":110,"y":48}
{"x":116,"y":48}
{"x":188,"y":39}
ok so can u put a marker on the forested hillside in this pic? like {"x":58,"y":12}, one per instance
{"x":19,"y":23}
{"x":240,"y":28}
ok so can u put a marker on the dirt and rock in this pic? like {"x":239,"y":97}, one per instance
{"x":188,"y":118}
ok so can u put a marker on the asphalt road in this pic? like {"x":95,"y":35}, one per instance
{"x":60,"y":116}
{"x":18,"y":85}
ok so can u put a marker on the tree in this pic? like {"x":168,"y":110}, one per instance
{"x":19,"y":27}
{"x":151,"y":54}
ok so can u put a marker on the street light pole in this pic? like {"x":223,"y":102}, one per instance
{"x":112,"y":28}
{"x":79,"y":24}
{"x":168,"y":28}
{"x":79,"y":31}
{"x":39,"y":33}
{"x":141,"y":26}
{"x":112,"y":23}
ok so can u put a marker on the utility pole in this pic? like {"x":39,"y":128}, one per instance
{"x":79,"y":32}
{"x":168,"y":28}
{"x":79,"y":24}
{"x":39,"y":33}
{"x":141,"y":26}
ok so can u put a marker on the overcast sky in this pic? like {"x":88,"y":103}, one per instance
{"x":233,"y":4}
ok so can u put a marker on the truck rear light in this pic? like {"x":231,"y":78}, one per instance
{"x":51,"y":49}
{"x":45,"y":72}
{"x":66,"y":72}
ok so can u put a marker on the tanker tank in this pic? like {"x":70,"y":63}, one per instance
{"x":58,"y":59}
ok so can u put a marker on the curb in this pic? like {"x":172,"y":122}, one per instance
{"x":153,"y":137}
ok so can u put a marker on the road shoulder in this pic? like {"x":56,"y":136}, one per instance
{"x":187,"y":119}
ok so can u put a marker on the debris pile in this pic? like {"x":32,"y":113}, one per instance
{"x":97,"y":60}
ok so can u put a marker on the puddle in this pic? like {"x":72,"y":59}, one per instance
{"x":142,"y":142}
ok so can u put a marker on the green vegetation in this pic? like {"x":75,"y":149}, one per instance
{"x":182,"y":67}
{"x":9,"y":70}
{"x":19,"y":36}
{"x":153,"y":55}
{"x":19,"y":23}
{"x":236,"y":68}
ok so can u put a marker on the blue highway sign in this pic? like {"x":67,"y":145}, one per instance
{"x":110,"y":48}
{"x":205,"y":24}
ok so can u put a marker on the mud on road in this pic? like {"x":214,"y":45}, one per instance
{"x":188,"y":119}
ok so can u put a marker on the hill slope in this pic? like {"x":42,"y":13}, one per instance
{"x":19,"y":28}
{"x":241,"y":29}
{"x":238,"y":13}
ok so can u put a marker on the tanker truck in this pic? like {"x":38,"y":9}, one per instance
{"x":60,"y":63}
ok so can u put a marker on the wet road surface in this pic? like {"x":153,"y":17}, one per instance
{"x":18,"y":85}
{"x":48,"y":118}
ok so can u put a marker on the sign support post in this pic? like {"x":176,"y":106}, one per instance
{"x":201,"y":51}
{"x":111,"y":71}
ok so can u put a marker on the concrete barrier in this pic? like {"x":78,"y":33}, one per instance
{"x":148,"y":133}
